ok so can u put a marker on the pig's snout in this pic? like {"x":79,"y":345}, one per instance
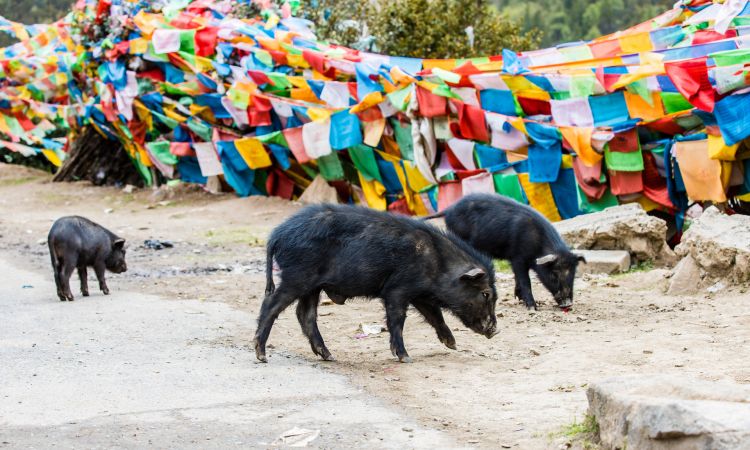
{"x":490,"y":330}
{"x":565,"y":303}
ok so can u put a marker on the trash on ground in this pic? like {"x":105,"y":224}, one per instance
{"x":296,"y":437}
{"x":156,"y":244}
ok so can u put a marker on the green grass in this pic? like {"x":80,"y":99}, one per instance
{"x":502,"y":266}
{"x":585,"y":432}
{"x":643,"y":266}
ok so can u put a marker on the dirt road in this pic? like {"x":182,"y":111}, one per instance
{"x":134,"y":370}
{"x":518,"y":390}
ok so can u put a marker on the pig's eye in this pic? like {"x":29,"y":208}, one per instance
{"x":486,"y":295}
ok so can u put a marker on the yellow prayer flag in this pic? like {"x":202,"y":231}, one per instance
{"x":540,"y":197}
{"x":718,"y":149}
{"x":374,"y":193}
{"x":636,"y":43}
{"x":253,"y":152}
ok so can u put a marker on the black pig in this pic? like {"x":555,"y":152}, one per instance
{"x":506,"y":229}
{"x":77,"y":243}
{"x":350,"y":251}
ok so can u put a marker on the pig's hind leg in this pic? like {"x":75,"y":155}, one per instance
{"x":57,"y":271}
{"x":66,"y":271}
{"x":272,"y":306}
{"x":307,"y":314}
{"x":434,"y":317}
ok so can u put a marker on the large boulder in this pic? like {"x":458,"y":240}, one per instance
{"x":668,"y":413}
{"x":625,"y":227}
{"x":719,"y":245}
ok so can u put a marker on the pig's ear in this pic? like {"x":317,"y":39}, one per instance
{"x":118,"y":244}
{"x":474,"y":274}
{"x":546,"y":260}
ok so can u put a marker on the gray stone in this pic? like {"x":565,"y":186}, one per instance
{"x":658,"y":412}
{"x":625,"y":227}
{"x":604,"y":261}
{"x":719,"y":244}
{"x":686,"y":278}
{"x":319,"y":191}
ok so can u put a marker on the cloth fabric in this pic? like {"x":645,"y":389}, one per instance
{"x":700,"y":173}
{"x":478,"y":184}
{"x":253,"y":152}
{"x":316,"y":138}
{"x":504,"y":135}
{"x":345,"y":131}
{"x":208,"y":160}
{"x":574,"y":112}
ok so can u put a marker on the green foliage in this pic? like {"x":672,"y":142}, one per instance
{"x":438,"y":29}
{"x":31,"y":12}
{"x":34,"y":11}
{"x":585,"y":433}
{"x":418,"y":28}
{"x":502,"y":266}
{"x":572,"y":20}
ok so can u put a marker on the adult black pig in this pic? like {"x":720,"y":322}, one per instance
{"x":77,"y":243}
{"x":350,"y":251}
{"x":506,"y":229}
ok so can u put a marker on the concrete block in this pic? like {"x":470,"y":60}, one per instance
{"x":604,"y":261}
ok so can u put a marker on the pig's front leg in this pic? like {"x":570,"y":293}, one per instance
{"x":83,"y":276}
{"x":100,"y":269}
{"x":434,"y":317}
{"x":523,"y":285}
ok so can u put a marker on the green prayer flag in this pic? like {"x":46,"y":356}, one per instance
{"x":398,"y":98}
{"x":277,"y":137}
{"x":586,"y":206}
{"x":582,"y":85}
{"x":624,"y":161}
{"x":330,"y":167}
{"x":363,"y":158}
{"x":675,"y":102}
{"x":187,"y":41}
{"x":143,"y":171}
{"x":403,"y":138}
{"x":280,"y":81}
{"x":169,"y":122}
{"x":264,"y":57}
{"x":160,"y":149}
{"x":444,"y":90}
{"x":731,"y":57}
{"x":199,"y":128}
{"x":507,"y":184}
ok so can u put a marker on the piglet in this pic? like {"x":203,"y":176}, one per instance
{"x":77,"y":243}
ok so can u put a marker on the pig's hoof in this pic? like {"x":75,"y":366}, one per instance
{"x":329,"y":357}
{"x":85,"y":293}
{"x":260,"y":354}
{"x":405,"y":359}
{"x":105,"y":291}
{"x":449,"y":342}
{"x":531,"y":308}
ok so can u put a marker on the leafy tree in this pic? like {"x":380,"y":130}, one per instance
{"x":418,"y":28}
